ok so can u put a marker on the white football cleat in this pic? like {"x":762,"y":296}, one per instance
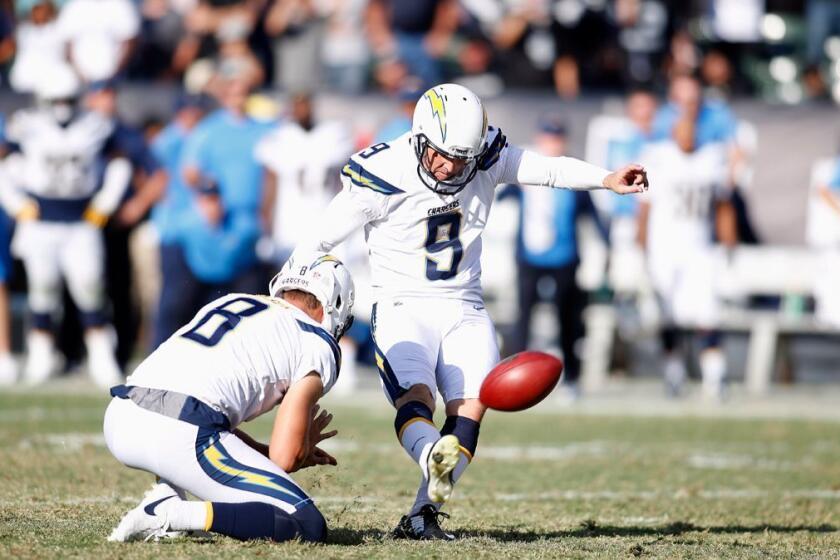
{"x":41,"y":360}
{"x":147,"y":521}
{"x":102,"y":364}
{"x":443,"y":456}
{"x":713,"y":369}
{"x":8,"y":370}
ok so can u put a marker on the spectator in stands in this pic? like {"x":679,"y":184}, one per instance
{"x":206,"y":21}
{"x":643,"y":36}
{"x":547,"y":249}
{"x":823,"y":21}
{"x":7,"y":34}
{"x":101,"y":36}
{"x":580,"y":35}
{"x":219,"y":236}
{"x":167,"y":214}
{"x":296,"y":32}
{"x":676,"y":225}
{"x":345,"y":51}
{"x":39,"y":44}
{"x":234,"y":50}
{"x":416,"y":33}
{"x":509,"y":29}
{"x":684,"y":55}
{"x":162,"y":30}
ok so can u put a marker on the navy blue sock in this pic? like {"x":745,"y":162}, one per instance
{"x":92,"y":319}
{"x":465,"y":429}
{"x":256,"y":520}
{"x":42,"y":321}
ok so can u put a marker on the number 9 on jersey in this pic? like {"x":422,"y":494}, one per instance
{"x":442,"y":234}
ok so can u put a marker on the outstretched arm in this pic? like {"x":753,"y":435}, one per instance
{"x":525,"y":167}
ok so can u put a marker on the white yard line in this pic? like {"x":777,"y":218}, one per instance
{"x":70,"y":442}
{"x":720,"y":461}
{"x":715,"y":494}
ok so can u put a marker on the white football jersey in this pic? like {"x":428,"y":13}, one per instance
{"x":58,"y":161}
{"x":424,"y":243}
{"x":240,"y":354}
{"x":685,"y":189}
{"x":421,"y":241}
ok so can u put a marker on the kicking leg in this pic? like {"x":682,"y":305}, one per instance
{"x":468,"y":353}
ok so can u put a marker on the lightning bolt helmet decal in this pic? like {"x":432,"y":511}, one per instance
{"x":438,"y":110}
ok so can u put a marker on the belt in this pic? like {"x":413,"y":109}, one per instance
{"x":174,"y":405}
{"x":60,"y":209}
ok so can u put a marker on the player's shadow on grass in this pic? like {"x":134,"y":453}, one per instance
{"x":589,"y":529}
{"x":344,"y":536}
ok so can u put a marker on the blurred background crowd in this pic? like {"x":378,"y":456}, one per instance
{"x":197,"y":138}
{"x":784,"y":50}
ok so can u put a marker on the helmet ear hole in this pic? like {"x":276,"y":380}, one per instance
{"x":338,"y":302}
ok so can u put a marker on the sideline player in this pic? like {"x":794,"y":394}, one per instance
{"x":51,"y":187}
{"x":677,"y":223}
{"x":423,"y":200}
{"x":241,"y":355}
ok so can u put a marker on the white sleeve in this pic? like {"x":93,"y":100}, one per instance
{"x":319,"y":353}
{"x":114,"y":185}
{"x":265,"y":151}
{"x":16,"y":127}
{"x":349,"y":211}
{"x":524,"y":167}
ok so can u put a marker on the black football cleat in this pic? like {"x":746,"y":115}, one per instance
{"x":423,"y":526}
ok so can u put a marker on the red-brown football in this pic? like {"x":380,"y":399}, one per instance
{"x":521,"y":381}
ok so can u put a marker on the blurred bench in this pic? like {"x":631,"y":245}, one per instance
{"x":786,"y":273}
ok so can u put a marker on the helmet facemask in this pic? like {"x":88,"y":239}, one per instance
{"x":450,"y":186}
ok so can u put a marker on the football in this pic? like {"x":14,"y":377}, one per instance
{"x":521,"y":381}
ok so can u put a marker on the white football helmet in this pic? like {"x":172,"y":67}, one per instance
{"x":58,"y":90}
{"x":452,"y":120}
{"x":326,"y":278}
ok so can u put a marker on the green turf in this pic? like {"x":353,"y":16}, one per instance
{"x":548,"y":485}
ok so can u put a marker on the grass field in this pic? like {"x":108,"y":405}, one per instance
{"x":544,"y":484}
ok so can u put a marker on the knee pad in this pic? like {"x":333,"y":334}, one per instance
{"x":313,"y":526}
{"x":408,"y":412}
